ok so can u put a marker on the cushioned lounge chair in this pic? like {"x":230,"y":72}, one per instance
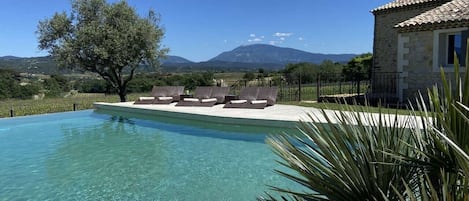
{"x":205,"y":97}
{"x":269,"y":94}
{"x":162,"y":95}
{"x":254,"y":98}
{"x":220,"y":93}
{"x":246,"y":95}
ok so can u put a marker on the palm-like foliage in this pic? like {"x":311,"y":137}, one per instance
{"x":355,"y":156}
{"x":445,"y":140}
{"x":348,"y":157}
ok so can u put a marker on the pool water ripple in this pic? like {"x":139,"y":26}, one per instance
{"x":90,"y":156}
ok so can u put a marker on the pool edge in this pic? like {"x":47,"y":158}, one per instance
{"x":199,"y":117}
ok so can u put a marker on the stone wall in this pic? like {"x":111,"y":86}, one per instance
{"x":418,"y":65}
{"x":385,"y":52}
{"x":386,"y":36}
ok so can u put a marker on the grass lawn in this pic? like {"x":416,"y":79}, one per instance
{"x":335,"y":106}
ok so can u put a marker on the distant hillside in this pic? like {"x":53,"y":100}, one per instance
{"x":9,"y":57}
{"x":46,"y":65}
{"x":175,"y":60}
{"x":243,"y":58}
{"x":43,"y":65}
{"x":219,"y":65}
{"x":261,"y":53}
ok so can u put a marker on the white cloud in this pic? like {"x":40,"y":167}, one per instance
{"x":280,"y":34}
{"x":273,"y":42}
{"x":300,"y":38}
{"x":255,"y":40}
{"x":282,"y":38}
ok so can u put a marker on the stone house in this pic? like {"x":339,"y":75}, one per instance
{"x":412,"y":40}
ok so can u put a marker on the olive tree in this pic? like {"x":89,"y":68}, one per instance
{"x":111,"y":40}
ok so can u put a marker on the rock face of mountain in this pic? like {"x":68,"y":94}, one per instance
{"x":261,"y":53}
{"x":175,"y":60}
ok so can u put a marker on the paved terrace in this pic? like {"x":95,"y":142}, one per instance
{"x":286,"y":116}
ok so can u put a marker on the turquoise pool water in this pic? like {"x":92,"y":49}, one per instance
{"x":88,"y":155}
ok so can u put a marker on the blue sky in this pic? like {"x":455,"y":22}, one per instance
{"x":201,"y":29}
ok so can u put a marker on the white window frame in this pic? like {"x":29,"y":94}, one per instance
{"x":437,"y":50}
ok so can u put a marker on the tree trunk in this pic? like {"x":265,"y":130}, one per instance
{"x":122,"y":89}
{"x":123,"y":95}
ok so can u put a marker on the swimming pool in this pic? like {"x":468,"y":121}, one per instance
{"x":90,"y":155}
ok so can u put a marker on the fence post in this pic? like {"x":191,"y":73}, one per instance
{"x":340,"y":86}
{"x":318,"y":86}
{"x":299,"y":88}
{"x":12,"y":112}
{"x":358,"y":86}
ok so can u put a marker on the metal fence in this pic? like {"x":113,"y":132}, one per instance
{"x":25,"y":110}
{"x":325,"y":87}
{"x":384,"y":87}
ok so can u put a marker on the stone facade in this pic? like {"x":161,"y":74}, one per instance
{"x":386,"y":36}
{"x":408,"y":53}
{"x":417,"y":67}
{"x":386,"y":75}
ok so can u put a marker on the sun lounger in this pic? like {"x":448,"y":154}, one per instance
{"x":254,"y":98}
{"x":268,"y":94}
{"x":246,"y":95}
{"x":220,"y":93}
{"x":205,"y":96}
{"x":162,"y":95}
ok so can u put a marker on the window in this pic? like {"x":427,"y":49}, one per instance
{"x":454,"y":47}
{"x":447,"y":42}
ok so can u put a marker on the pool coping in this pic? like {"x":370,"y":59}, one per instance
{"x":215,"y":114}
{"x":278,"y":116}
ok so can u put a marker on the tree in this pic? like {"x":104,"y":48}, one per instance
{"x":56,"y":85}
{"x":249,"y":76}
{"x":108,"y":39}
{"x":358,"y":68}
{"x":7,"y":83}
{"x":11,"y":87}
{"x":307,"y":71}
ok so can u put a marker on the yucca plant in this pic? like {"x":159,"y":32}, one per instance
{"x":348,"y":157}
{"x":444,"y":141}
{"x":354,"y":156}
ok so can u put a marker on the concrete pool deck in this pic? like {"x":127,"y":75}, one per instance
{"x":286,"y":116}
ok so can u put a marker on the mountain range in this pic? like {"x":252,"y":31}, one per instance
{"x":246,"y":57}
{"x":261,"y":53}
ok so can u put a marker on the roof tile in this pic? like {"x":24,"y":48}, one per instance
{"x":402,"y":3}
{"x":453,"y":11}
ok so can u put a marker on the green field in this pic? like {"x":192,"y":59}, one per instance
{"x":51,"y":105}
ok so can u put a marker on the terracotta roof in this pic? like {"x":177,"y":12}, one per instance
{"x":401,"y":4}
{"x":453,"y":13}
